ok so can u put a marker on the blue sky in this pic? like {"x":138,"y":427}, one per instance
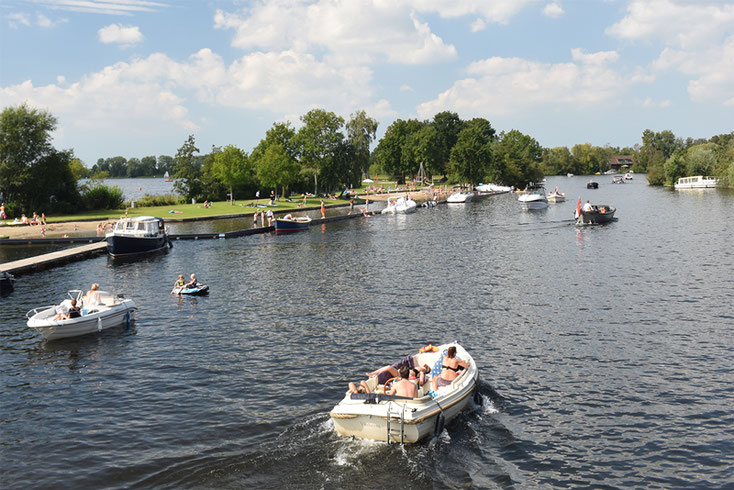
{"x":136,"y":77}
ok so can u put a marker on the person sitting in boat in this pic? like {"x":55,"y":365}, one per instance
{"x":74,"y":311}
{"x":64,"y":313}
{"x":179,"y":284}
{"x":92,"y":298}
{"x":450,"y":369}
{"x":419,"y":376}
{"x":288,"y":216}
{"x":362,"y":388}
{"x":587,"y":207}
{"x":391,"y":371}
{"x":403,"y":386}
{"x":192,"y":283}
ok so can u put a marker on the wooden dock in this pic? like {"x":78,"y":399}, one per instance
{"x":42,"y":262}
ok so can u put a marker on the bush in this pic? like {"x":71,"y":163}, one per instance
{"x":161,"y":200}
{"x":13,"y":210}
{"x":102,"y":197}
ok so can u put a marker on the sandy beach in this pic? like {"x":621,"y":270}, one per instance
{"x":53,"y":230}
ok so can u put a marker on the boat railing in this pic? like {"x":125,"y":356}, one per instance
{"x":34,"y":311}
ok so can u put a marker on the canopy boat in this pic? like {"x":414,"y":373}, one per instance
{"x":382,"y":417}
{"x":289,"y":223}
{"x":556,"y":196}
{"x":197,"y":290}
{"x":697,"y":182}
{"x":599,"y":214}
{"x":617,"y":179}
{"x":399,"y":205}
{"x":592,"y":185}
{"x":534,"y":197}
{"x":460,"y":197}
{"x":108,"y":311}
{"x":143,"y":234}
{"x":493,"y":188}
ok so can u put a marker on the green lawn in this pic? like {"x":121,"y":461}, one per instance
{"x":197,"y":210}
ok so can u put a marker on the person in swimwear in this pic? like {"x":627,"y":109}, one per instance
{"x":180,"y":283}
{"x":451,"y":367}
{"x":403,"y":386}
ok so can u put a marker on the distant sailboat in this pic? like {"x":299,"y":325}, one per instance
{"x":166,"y":177}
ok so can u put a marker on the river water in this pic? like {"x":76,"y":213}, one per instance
{"x":606,"y":353}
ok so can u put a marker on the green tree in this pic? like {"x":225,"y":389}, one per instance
{"x":187,"y":170}
{"x":517,"y":159}
{"x":320,"y":145}
{"x":78,"y":170}
{"x":33,"y":173}
{"x":231,"y":167}
{"x":361,"y":132}
{"x":471,"y":156}
{"x":448,"y":125}
{"x":558,"y":161}
{"x":390,"y":153}
{"x":674,"y":167}
{"x":426,"y":146}
{"x":148,"y":165}
{"x":165,"y":164}
{"x":276,"y":168}
{"x":701,"y":159}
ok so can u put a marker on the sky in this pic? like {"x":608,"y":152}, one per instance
{"x":136,"y":77}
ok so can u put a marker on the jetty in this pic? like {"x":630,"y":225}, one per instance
{"x":42,"y":262}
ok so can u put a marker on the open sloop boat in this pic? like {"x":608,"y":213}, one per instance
{"x":382,"y":417}
{"x":108,"y":311}
{"x":289,"y":223}
{"x":399,"y":205}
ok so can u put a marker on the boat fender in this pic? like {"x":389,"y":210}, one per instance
{"x":440,"y":422}
{"x":127,"y":318}
{"x":477,"y":397}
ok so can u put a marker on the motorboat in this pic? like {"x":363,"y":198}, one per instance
{"x":382,"y":417}
{"x":611,"y":171}
{"x":534,"y":197}
{"x":556,"y":196}
{"x":196,"y":290}
{"x":460,"y":197}
{"x":142,"y":234}
{"x":628,"y":176}
{"x":289,"y":224}
{"x":617,"y":179}
{"x":569,"y":175}
{"x":598,"y":215}
{"x":399,"y":205}
{"x":697,"y":182}
{"x":493,"y":188}
{"x":108,"y":310}
{"x":592,"y":185}
{"x":7,"y":283}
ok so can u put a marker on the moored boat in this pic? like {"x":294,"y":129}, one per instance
{"x":592,"y":185}
{"x":109,"y":311}
{"x":139,"y":235}
{"x":628,"y":176}
{"x":493,"y":188}
{"x":381,"y":417}
{"x":399,"y":205}
{"x":697,"y":182}
{"x":288,"y":224}
{"x":534,"y":197}
{"x":460,"y":197}
{"x":7,"y":282}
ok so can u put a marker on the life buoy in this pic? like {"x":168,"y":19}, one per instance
{"x":428,"y":348}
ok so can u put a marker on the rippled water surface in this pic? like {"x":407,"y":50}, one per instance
{"x":605,"y":353}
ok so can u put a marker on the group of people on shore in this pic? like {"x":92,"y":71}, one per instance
{"x":408,"y":378}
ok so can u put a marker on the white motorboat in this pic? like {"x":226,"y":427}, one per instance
{"x":569,"y":175}
{"x":460,"y":197}
{"x":381,"y":417}
{"x":399,"y":205}
{"x":556,"y":196}
{"x":697,"y":182}
{"x":493,"y":188}
{"x":534,"y":197}
{"x":628,"y":176}
{"x":109,"y":311}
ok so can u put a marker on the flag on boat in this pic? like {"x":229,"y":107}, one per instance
{"x":578,"y":208}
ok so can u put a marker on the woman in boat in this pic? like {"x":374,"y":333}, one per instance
{"x":179,"y":284}
{"x":92,"y":297}
{"x":362,"y":388}
{"x":450,"y":369}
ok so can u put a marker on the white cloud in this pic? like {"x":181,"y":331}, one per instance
{"x":651,"y":104}
{"x":507,"y":85}
{"x":553,"y":10}
{"x":107,"y":7}
{"x":119,"y":34}
{"x":678,"y":23}
{"x":357,"y":30}
{"x":18,"y":19}
{"x":478,"y":25}
{"x":497,"y":11}
{"x":406,"y":88}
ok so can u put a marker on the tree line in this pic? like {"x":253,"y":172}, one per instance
{"x":328,"y":154}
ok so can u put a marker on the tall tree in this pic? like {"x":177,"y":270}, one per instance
{"x":361,"y":131}
{"x":232,"y":168}
{"x":32,"y":172}
{"x":471,"y":156}
{"x":391,"y":154}
{"x":516,"y":159}
{"x":320,"y":141}
{"x":187,"y":170}
{"x":276,"y":168}
{"x":448,"y":125}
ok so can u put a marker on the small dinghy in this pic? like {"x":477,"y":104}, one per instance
{"x":288,"y":224}
{"x":198,"y":290}
{"x":382,"y":417}
{"x":109,"y":310}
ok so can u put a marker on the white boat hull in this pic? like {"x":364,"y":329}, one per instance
{"x":697,"y":182}
{"x":107,"y":317}
{"x":460,"y":197}
{"x":402,"y":206}
{"x":556,"y":197}
{"x":407,"y":420}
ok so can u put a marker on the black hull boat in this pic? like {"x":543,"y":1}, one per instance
{"x":135,"y":236}
{"x":599,"y":215}
{"x":287,"y":225}
{"x":592,"y":185}
{"x":6,"y":283}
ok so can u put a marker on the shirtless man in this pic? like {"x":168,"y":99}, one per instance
{"x":403,"y":386}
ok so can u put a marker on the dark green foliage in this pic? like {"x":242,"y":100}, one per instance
{"x":161,"y":200}
{"x":471,"y":157}
{"x":102,"y":197}
{"x":187,"y":170}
